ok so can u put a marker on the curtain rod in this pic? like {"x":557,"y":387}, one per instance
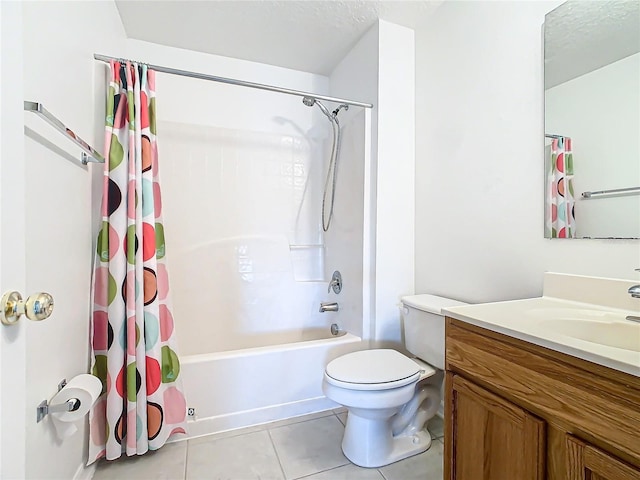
{"x":241,"y":83}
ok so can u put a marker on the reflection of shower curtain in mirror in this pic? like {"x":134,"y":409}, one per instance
{"x":560,"y":213}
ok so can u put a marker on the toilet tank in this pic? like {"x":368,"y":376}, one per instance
{"x":424,"y":326}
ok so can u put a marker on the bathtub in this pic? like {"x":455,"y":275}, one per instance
{"x":240,"y":388}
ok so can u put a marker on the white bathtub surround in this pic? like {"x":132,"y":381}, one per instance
{"x":258,"y":251}
{"x":253,"y":162}
{"x":344,"y":243}
{"x":252,"y":299}
{"x":235,"y":389}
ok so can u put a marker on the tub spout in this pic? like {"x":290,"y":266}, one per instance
{"x":328,"y":307}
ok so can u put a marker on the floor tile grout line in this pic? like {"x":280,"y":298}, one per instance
{"x":319,"y":471}
{"x":275,"y":450}
{"x":226,"y":434}
{"x":382,"y":473}
{"x":323,"y":471}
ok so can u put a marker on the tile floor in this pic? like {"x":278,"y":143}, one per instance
{"x":303,"y":447}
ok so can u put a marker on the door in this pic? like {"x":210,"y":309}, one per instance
{"x":586,"y":462}
{"x":13,"y":410}
{"x":490,"y":438}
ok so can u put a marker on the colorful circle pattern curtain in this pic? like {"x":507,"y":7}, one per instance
{"x":132,"y":329}
{"x":560,"y":216}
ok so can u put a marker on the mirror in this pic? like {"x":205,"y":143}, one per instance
{"x":592,"y":120}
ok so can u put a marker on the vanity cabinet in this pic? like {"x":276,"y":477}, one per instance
{"x":493,"y":439}
{"x":514,"y":410}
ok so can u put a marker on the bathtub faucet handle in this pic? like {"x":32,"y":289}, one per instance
{"x":335,"y":283}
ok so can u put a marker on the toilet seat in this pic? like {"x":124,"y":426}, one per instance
{"x":377,"y":369}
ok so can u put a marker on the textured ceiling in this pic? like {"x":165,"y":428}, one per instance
{"x":307,"y":35}
{"x":582,"y":36}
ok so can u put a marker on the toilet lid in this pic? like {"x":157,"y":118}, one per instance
{"x":372,"y":369}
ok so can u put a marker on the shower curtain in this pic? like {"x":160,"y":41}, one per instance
{"x":561,"y":202}
{"x":132,"y":330}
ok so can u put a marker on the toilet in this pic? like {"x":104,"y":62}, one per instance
{"x":387,"y":394}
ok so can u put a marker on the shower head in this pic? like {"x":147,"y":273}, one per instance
{"x":337,"y":110}
{"x":310,"y":102}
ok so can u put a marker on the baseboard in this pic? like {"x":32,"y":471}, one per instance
{"x":85,"y":472}
{"x":248,"y":418}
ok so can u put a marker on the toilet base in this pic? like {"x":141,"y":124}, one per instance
{"x":369,"y":443}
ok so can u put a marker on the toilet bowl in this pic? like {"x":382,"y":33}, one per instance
{"x":388,"y":395}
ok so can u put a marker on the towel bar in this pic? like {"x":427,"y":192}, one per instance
{"x":89,"y":153}
{"x":612,"y":193}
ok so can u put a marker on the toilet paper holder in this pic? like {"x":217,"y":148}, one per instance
{"x":45,"y":409}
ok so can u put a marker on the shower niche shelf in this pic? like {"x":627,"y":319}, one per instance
{"x":308,"y":262}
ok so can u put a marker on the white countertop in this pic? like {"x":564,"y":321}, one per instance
{"x":532,"y":320}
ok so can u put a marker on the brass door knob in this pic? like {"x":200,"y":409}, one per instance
{"x":37,"y":307}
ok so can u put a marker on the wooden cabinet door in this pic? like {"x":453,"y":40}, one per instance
{"x":489,"y":438}
{"x":586,"y":462}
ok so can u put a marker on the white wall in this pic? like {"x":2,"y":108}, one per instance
{"x":600,"y":111}
{"x":59,"y":39}
{"x":479,"y":159}
{"x":395,"y":216}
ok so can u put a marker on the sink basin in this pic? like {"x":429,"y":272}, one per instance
{"x":594,"y":326}
{"x":580,"y":316}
